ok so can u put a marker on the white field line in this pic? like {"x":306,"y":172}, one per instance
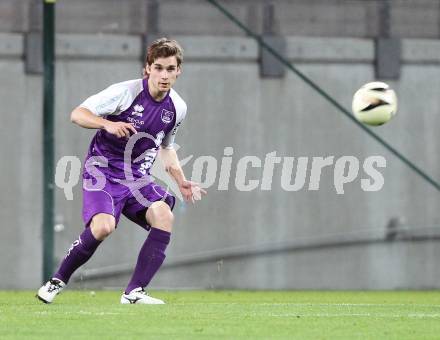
{"x":368,"y":315}
{"x":348,"y":304}
{"x":81,"y":312}
{"x":283,"y":315}
{"x":283,"y":304}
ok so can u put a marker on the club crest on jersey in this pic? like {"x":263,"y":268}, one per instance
{"x":137,"y":110}
{"x":167,"y":116}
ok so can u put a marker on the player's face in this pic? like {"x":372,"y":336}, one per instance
{"x":162,"y":74}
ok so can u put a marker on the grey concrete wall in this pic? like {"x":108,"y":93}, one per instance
{"x":21,"y":168}
{"x":350,"y":18}
{"x":230,"y":105}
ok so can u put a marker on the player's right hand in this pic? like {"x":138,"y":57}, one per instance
{"x":120,"y":129}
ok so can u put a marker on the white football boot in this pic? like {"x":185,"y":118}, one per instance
{"x":138,"y":295}
{"x":51,"y":289}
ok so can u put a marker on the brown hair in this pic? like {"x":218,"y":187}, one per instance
{"x":164,"y":48}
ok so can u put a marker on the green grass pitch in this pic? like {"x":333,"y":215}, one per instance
{"x":223,"y":315}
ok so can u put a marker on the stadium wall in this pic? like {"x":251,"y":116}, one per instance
{"x":330,"y":18}
{"x":267,"y":239}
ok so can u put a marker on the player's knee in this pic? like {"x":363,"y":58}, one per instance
{"x":159,"y":215}
{"x":103,"y":229}
{"x":102,"y":225}
{"x":162,"y":214}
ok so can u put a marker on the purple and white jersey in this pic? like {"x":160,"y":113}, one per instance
{"x":131,"y":102}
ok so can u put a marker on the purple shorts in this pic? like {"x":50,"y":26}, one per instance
{"x":116,"y":198}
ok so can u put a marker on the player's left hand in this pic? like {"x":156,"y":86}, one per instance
{"x":191,"y":191}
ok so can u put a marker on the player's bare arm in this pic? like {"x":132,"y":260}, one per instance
{"x":191,"y":191}
{"x":86,"y":119}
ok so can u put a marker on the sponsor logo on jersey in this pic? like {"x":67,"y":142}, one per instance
{"x":137,"y":123}
{"x":138,"y":109}
{"x":167,"y":116}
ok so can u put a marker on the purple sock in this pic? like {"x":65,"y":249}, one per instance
{"x":150,"y":258}
{"x":78,"y":254}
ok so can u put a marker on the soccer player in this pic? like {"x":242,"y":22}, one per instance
{"x":136,"y":119}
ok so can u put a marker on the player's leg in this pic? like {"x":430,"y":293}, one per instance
{"x":158,"y":218}
{"x":101,"y":213}
{"x":152,"y":253}
{"x":80,"y":252}
{"x":82,"y":249}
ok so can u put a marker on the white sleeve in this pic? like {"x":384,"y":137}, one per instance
{"x":181,"y":108}
{"x":114,"y":99}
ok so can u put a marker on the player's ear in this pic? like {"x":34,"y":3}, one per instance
{"x":147,"y":69}
{"x":179,"y":70}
